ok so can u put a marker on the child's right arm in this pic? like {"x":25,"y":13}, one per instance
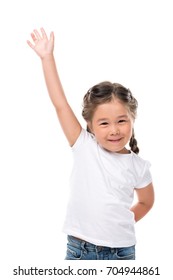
{"x":44,"y":48}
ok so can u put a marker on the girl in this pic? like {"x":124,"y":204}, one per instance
{"x":100,"y":219}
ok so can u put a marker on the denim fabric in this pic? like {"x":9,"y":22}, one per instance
{"x":81,"y":250}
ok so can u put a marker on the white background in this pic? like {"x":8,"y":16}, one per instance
{"x":127,"y":41}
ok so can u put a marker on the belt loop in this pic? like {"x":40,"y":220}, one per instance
{"x":112,"y":250}
{"x":83,"y":243}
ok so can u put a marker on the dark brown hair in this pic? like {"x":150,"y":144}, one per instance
{"x":103,"y":93}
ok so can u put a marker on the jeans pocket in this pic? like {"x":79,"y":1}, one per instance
{"x":126,"y":253}
{"x":73,"y":253}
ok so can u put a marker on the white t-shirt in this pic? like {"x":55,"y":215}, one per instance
{"x":102,"y":192}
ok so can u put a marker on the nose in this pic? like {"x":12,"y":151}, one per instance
{"x":114,"y":130}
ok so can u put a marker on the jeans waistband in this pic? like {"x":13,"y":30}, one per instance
{"x":85,"y":244}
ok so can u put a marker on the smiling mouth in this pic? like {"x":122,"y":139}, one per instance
{"x":115,"y":140}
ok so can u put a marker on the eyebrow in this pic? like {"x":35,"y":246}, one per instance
{"x":119,"y":117}
{"x":123,"y":116}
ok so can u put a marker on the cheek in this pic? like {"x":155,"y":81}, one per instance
{"x":99,"y":134}
{"x":129,"y":130}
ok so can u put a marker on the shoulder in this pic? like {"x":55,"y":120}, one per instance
{"x":139,"y":161}
{"x":84,"y":138}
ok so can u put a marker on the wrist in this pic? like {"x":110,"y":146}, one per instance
{"x":47,"y":57}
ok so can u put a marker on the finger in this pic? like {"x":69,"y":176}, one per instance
{"x":30,"y":44}
{"x":37,"y":34}
{"x":52,"y":36}
{"x":43,"y":33}
{"x":33,"y":37}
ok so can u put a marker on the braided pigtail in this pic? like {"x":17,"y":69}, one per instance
{"x":133,"y":144}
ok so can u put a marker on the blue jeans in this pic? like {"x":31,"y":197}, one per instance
{"x":81,"y":250}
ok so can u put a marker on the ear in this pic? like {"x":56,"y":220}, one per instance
{"x":89,"y":126}
{"x":132,"y":122}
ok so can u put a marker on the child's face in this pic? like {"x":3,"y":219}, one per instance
{"x":112,"y":126}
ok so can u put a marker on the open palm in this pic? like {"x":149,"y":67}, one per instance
{"x":41,"y":44}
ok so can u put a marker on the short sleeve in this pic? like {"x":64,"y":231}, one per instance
{"x":84,"y":137}
{"x":145,"y":177}
{"x":79,"y":140}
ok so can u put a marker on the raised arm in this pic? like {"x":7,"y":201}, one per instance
{"x":44,"y":47}
{"x":145,"y":202}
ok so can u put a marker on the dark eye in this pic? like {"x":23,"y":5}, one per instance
{"x":122,"y":121}
{"x":104,"y":123}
